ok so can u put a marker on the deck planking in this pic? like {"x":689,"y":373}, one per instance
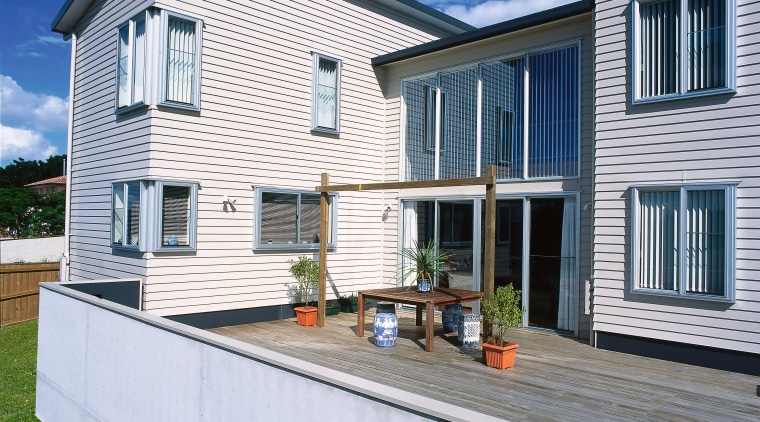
{"x":554,"y":378}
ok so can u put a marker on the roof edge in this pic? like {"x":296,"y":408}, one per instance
{"x":437,"y":14}
{"x":506,"y":27}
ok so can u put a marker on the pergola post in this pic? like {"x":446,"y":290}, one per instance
{"x":323,"y":224}
{"x":490,"y":232}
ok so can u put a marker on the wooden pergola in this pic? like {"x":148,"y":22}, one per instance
{"x":489,"y":180}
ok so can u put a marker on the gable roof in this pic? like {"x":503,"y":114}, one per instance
{"x":517,"y":24}
{"x":72,"y":12}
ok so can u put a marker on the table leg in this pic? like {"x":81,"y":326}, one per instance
{"x":429,"y":326}
{"x":360,"y":317}
{"x":418,"y":321}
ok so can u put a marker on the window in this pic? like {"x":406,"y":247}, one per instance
{"x":173,"y":77}
{"x":521,"y":113}
{"x":130,"y":74}
{"x":325,"y":103}
{"x":684,"y":241}
{"x":290,"y":219}
{"x":684,"y":48}
{"x":154,"y":216}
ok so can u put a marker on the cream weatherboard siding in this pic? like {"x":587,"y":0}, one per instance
{"x":253,"y":130}
{"x":710,"y":139}
{"x":570,"y":29}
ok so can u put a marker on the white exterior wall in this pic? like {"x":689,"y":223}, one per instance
{"x":575,"y":28}
{"x":709,"y":139}
{"x":41,"y":249}
{"x":252,"y":130}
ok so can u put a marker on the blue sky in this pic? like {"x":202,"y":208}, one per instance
{"x":34,"y":68}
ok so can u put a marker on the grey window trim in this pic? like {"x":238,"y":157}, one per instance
{"x":195,"y":104}
{"x":158,"y":222}
{"x":263,"y":245}
{"x":729,"y":294}
{"x":315,"y":127}
{"x":130,"y":24}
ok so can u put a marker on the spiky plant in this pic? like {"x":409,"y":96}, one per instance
{"x":424,"y":262}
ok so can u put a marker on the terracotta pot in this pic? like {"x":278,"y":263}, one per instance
{"x":306,"y":316}
{"x":500,"y":357}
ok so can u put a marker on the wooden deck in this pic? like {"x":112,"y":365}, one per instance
{"x":554,"y":378}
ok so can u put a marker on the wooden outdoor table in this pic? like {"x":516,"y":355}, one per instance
{"x":440,"y":296}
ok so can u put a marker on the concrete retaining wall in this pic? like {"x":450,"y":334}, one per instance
{"x":102,"y":361}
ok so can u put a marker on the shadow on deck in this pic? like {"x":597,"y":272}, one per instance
{"x":554,"y":378}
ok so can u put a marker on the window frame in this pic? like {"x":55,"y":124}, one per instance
{"x":316,"y":59}
{"x":163,"y":68}
{"x":151,"y":216}
{"x":260,"y":244}
{"x":124,"y":187}
{"x":158,"y":222}
{"x":130,"y":24}
{"x":729,"y":291}
{"x":683,"y":73}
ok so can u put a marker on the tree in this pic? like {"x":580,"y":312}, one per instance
{"x":16,"y":208}
{"x":47,"y":218}
{"x":22,"y":172}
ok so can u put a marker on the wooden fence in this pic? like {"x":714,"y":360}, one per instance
{"x":20,"y":290}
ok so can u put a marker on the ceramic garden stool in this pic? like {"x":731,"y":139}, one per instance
{"x":386,"y":324}
{"x":469,"y":330}
{"x":450,"y":317}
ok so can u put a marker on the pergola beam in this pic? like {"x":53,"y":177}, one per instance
{"x":490,"y":230}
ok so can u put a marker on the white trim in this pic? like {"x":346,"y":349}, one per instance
{"x":64,"y":272}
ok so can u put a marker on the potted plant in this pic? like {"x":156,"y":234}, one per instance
{"x":501,"y":312}
{"x":306,"y":273}
{"x":350,"y":304}
{"x":424,"y":264}
{"x":332,"y":307}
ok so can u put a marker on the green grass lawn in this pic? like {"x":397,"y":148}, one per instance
{"x":18,"y":371}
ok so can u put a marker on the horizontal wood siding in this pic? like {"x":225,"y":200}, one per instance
{"x":576,"y":28}
{"x":106,"y":147}
{"x":20,"y":290}
{"x":253,"y":130}
{"x":709,"y":139}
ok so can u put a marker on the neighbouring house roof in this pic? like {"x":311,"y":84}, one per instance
{"x":72,"y":11}
{"x":517,"y":24}
{"x":58,"y":180}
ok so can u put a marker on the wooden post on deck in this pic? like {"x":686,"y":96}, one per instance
{"x":489,"y":259}
{"x":323,"y":223}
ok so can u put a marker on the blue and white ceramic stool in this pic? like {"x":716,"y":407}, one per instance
{"x":469,"y":330}
{"x":386,"y":324}
{"x":450,"y":317}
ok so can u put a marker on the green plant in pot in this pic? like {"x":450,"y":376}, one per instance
{"x":306,"y":273}
{"x":350,"y":304}
{"x":501,"y":311}
{"x":423,"y":264}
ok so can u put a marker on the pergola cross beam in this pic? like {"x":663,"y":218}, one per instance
{"x":489,"y":180}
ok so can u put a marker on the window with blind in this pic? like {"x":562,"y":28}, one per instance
{"x":498,"y":112}
{"x":325,"y":104}
{"x":683,"y":48}
{"x":154,"y":216}
{"x":158,"y":61}
{"x":291,"y":219}
{"x":684,"y":241}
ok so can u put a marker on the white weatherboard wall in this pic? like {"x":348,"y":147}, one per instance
{"x":709,"y":139}
{"x":253,"y":129}
{"x":99,"y":361}
{"x":571,"y":29}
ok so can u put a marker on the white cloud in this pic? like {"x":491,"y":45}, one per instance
{"x":24,"y":143}
{"x":27,"y":110}
{"x":494,"y":11}
{"x":28,"y":121}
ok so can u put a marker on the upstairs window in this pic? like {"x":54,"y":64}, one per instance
{"x":158,"y":61}
{"x":325,"y":103}
{"x":130,"y":73}
{"x":683,"y":48}
{"x":684,"y":242}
